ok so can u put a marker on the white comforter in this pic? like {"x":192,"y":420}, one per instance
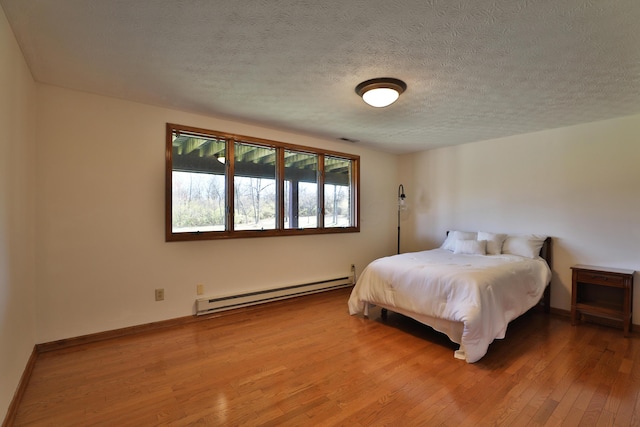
{"x":484,"y":293}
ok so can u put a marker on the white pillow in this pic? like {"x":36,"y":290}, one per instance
{"x":470,"y":247}
{"x":450,"y":242}
{"x":494,"y":241}
{"x":526,"y":245}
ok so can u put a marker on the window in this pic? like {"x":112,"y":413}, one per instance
{"x":337,"y":192}
{"x":228,"y":186}
{"x":254,"y":187}
{"x":300,"y":190}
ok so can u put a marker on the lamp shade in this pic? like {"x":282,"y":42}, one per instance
{"x":402,"y":198}
{"x":402,"y":205}
{"x":381,"y":92}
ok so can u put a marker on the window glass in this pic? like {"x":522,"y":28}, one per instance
{"x":300,"y":189}
{"x":338,"y":208}
{"x":198,"y":184}
{"x":254,"y":187}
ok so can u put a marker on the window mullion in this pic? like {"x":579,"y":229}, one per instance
{"x":280,"y":213}
{"x":321,"y":211}
{"x":230,"y":171}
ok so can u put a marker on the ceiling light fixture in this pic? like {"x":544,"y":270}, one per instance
{"x":381,"y":92}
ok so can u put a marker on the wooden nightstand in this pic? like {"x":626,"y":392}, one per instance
{"x":602,"y":292}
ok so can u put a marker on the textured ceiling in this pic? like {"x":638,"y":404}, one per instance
{"x":475,"y":69}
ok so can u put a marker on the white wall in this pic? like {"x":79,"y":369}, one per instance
{"x":579,"y":185}
{"x":101,"y":248}
{"x":17,"y":218}
{"x":99,"y":222}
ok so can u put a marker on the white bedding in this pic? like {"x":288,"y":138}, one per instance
{"x":483,"y":293}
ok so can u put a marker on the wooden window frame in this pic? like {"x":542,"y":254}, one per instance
{"x":280,"y":147}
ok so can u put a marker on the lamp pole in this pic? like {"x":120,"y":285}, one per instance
{"x":401,"y":207}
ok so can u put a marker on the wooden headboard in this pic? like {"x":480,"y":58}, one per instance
{"x":545,"y":251}
{"x":545,"y":254}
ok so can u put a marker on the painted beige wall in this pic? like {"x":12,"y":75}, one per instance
{"x":579,"y":184}
{"x":17,"y":218}
{"x":101,"y":220}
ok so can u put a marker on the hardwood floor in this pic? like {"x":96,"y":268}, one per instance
{"x":307,"y":362}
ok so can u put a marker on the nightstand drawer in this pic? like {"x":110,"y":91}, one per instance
{"x":600,"y":278}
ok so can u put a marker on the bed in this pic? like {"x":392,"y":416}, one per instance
{"x":469,"y":289}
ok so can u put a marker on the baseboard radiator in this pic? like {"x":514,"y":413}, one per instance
{"x":215,"y":304}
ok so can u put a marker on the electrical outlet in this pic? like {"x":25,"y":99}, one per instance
{"x":160,"y":294}
{"x":200,"y":289}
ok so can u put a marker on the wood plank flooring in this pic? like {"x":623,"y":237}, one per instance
{"x":307,"y":362}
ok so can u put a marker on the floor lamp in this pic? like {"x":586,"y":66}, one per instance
{"x":402,"y":205}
